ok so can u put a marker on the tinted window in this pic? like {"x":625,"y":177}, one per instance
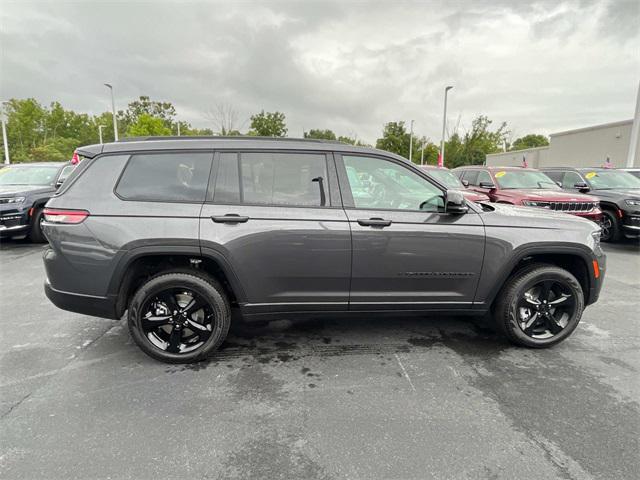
{"x":483,"y":177}
{"x":66,"y":171}
{"x":283,"y":178}
{"x":471,"y":176}
{"x":28,"y":175}
{"x":166,"y":177}
{"x":570,"y":179}
{"x":227,"y":187}
{"x":381,"y":184}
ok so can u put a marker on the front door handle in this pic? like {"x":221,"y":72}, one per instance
{"x":374,"y":222}
{"x":229,"y":218}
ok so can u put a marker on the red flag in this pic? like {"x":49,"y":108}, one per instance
{"x":440,"y":162}
{"x":75,"y":159}
{"x":524,"y":162}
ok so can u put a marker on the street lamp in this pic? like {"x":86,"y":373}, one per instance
{"x":444,"y":126}
{"x":100,"y":127}
{"x":5,"y":139}
{"x":113,"y":109}
{"x":411,"y":143}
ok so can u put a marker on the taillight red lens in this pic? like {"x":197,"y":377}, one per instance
{"x":65,"y":216}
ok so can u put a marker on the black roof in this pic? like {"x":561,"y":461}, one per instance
{"x":230,"y":143}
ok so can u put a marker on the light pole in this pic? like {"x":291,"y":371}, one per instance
{"x":411,"y":143}
{"x":444,"y":126}
{"x":100,"y":127}
{"x":113,"y":109}
{"x":5,"y":139}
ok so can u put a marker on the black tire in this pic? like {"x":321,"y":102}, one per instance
{"x":35,"y":230}
{"x":611,"y":229}
{"x":215,"y":312}
{"x":511,"y":317}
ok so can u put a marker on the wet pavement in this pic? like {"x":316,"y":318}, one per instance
{"x":419,"y":398}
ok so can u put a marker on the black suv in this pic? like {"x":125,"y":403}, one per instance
{"x":618,"y":192}
{"x":181,"y":232}
{"x":24,"y":190}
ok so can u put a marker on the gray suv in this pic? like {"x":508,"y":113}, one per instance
{"x":183,"y":232}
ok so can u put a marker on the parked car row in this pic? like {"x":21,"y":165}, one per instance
{"x":25,"y":188}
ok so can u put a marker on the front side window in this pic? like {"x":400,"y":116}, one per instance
{"x":445,"y":177}
{"x":471,"y":176}
{"x":166,"y":177}
{"x":570,"y":179}
{"x":272,"y":178}
{"x":381,"y":184}
{"x":483,"y":177}
{"x":28,"y":175}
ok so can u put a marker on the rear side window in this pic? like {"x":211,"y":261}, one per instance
{"x":166,"y":177}
{"x":272,"y":178}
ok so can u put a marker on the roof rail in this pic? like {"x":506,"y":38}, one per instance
{"x":215,"y":137}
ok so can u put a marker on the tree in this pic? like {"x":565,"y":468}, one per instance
{"x":268,"y":124}
{"x":144,"y":105}
{"x":396,"y":139}
{"x":352,"y":141}
{"x":320,"y":134}
{"x":532,"y":140}
{"x":224,"y":119}
{"x":472,"y":148}
{"x":146,"y":125}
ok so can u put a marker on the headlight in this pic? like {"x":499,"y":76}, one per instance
{"x":634,"y":203}
{"x":531,"y":203}
{"x":12,"y":200}
{"x":596,"y":240}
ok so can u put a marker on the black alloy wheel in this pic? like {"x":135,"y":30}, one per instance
{"x":545,"y":309}
{"x":610,"y":227}
{"x":177,"y":320}
{"x":179,"y":316}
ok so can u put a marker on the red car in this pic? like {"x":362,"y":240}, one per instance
{"x":527,"y":187}
{"x":444,"y":176}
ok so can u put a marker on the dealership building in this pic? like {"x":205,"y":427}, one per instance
{"x":583,"y":147}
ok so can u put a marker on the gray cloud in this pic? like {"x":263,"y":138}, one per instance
{"x":349,"y":66}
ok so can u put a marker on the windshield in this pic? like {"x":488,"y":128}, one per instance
{"x":608,"y":179}
{"x":445,"y":177}
{"x":511,"y":179}
{"x":24,"y":175}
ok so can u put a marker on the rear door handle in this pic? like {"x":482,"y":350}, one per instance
{"x":374,"y":222}
{"x":229,"y":218}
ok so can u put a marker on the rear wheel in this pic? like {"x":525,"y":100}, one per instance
{"x":179,"y":317}
{"x":540,"y":307}
{"x":35,"y":230}
{"x":611,"y":230}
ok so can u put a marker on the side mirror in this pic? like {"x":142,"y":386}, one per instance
{"x":455,"y":203}
{"x":60,"y":182}
{"x":465,"y":183}
{"x":559,"y":184}
{"x":488,"y":185}
{"x":581,"y":186}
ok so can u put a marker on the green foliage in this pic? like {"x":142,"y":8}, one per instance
{"x":268,"y":124}
{"x":146,"y":125}
{"x":532,"y":140}
{"x":472,"y":148}
{"x":396,"y":139}
{"x":320,"y":134}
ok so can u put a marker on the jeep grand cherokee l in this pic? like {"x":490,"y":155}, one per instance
{"x":24,"y":190}
{"x":617,"y":191}
{"x":182,"y":232}
{"x":528,"y":187}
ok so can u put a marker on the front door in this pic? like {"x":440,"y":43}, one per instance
{"x":275,"y":219}
{"x":407,"y":253}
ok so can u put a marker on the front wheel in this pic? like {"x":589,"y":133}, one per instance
{"x":35,"y":229}
{"x":179,"y":317}
{"x":540,"y":306}
{"x":611,"y":230}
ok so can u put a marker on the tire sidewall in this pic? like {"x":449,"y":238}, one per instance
{"x":35,"y":229}
{"x":614,"y":229}
{"x":526,"y":283}
{"x":199,"y":285}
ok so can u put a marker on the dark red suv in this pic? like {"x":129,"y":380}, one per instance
{"x":449,"y":180}
{"x":527,"y":187}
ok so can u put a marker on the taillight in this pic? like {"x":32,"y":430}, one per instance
{"x":65,"y":216}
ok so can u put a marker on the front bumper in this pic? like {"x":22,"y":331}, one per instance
{"x":631,"y":224}
{"x":14,"y":222}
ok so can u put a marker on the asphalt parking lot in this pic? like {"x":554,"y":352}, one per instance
{"x":385,"y":398}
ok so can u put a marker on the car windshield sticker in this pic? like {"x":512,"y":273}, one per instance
{"x":500,"y":174}
{"x":591,"y":174}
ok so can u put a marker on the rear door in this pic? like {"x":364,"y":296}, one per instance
{"x":407,"y":253}
{"x":275,"y":218}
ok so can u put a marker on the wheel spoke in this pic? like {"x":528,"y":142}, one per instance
{"x":154,"y":321}
{"x":563,"y":300}
{"x":552,"y":325}
{"x":531,"y":323}
{"x":201,"y":330}
{"x":194,"y":305}
{"x":174,"y":340}
{"x":169,"y":299}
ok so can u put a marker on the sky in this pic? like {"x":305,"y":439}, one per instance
{"x":350,"y":66}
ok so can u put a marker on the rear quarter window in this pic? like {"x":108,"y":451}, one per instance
{"x":166,"y":177}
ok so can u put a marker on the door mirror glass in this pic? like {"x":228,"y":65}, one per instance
{"x":488,"y":185}
{"x":455,"y":203}
{"x":559,"y":184}
{"x":465,"y":183}
{"x":583,"y":187}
